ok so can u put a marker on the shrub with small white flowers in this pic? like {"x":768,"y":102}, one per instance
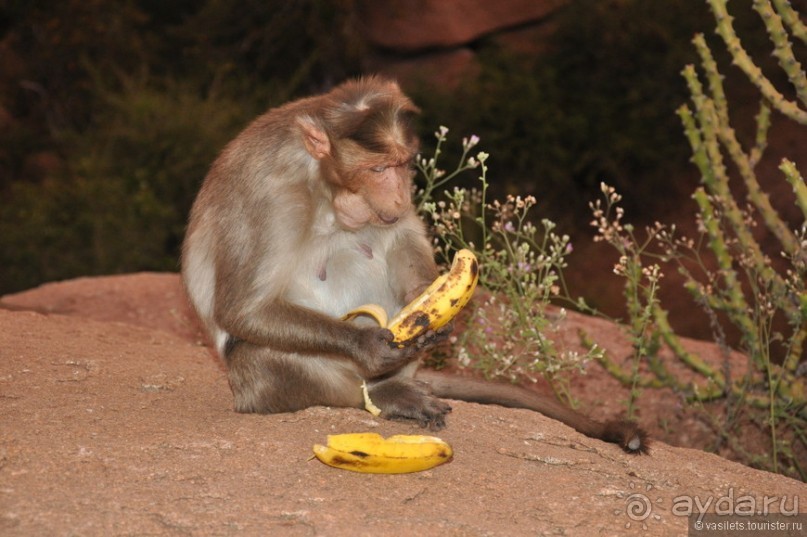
{"x":520,"y":272}
{"x":725,"y":268}
{"x":522,"y":267}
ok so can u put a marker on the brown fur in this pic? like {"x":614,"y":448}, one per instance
{"x":305,"y":216}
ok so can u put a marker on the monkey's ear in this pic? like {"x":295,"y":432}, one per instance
{"x":315,"y":139}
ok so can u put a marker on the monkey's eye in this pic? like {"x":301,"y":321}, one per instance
{"x":378,"y":169}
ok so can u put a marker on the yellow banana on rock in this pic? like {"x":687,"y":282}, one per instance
{"x":372,"y":453}
{"x":433,"y":308}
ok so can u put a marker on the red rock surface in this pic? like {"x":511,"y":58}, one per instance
{"x":408,"y":25}
{"x":116,"y":421}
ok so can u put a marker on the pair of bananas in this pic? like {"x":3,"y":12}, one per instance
{"x":373,"y":454}
{"x":431,"y":310}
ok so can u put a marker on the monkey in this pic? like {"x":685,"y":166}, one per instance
{"x":306,"y":215}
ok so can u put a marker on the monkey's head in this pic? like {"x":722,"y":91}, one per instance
{"x":365,"y":142}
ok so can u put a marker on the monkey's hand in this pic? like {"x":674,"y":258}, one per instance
{"x":377,"y":355}
{"x":430,"y":338}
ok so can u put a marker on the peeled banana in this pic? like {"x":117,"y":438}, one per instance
{"x":371,"y":453}
{"x":433,"y":308}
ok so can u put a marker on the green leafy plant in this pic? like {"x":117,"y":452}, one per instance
{"x":641,"y":291}
{"x":725,"y":268}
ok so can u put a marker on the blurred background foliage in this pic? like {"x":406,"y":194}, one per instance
{"x":597,"y":106}
{"x":112,"y":111}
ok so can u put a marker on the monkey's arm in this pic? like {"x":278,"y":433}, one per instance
{"x":291,"y":328}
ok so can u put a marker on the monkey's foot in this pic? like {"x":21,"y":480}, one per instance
{"x":404,"y":399}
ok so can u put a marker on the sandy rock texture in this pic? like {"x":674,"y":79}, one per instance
{"x":116,"y":420}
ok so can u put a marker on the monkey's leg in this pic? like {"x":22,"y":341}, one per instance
{"x":402,"y":398}
{"x":265,"y":380}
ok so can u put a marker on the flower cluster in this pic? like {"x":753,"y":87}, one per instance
{"x":520,"y":271}
{"x":608,"y":226}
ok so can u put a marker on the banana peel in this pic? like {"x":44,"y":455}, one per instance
{"x":368,"y":403}
{"x":373,"y":454}
{"x":433,"y":308}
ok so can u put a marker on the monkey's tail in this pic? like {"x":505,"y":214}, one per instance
{"x":629,"y":436}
